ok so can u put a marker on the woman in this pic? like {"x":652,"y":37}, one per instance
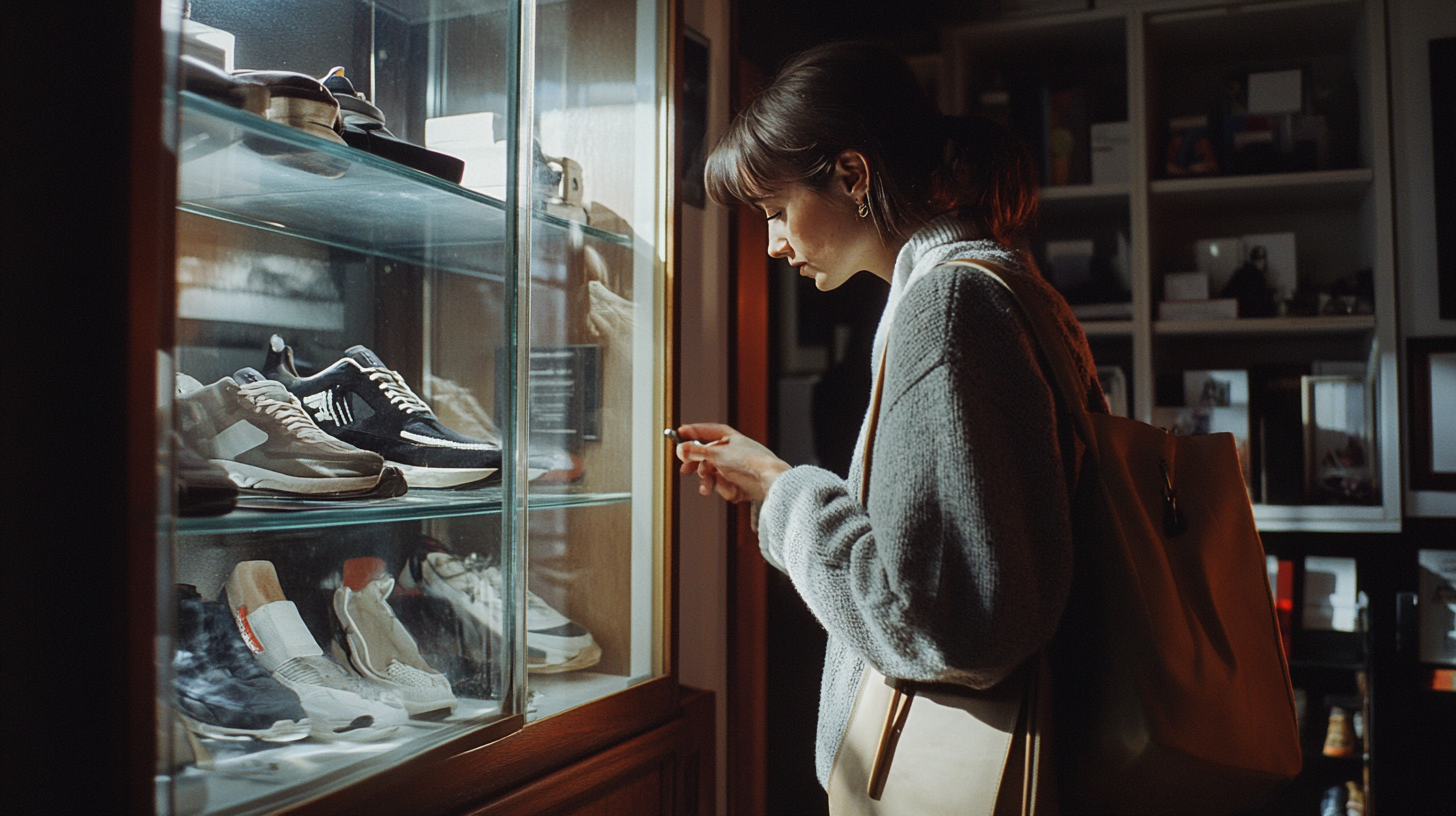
{"x":958,"y":567}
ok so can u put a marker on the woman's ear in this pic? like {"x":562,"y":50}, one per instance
{"x":852,"y":174}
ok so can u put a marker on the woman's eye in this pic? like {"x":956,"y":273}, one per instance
{"x":773,"y":215}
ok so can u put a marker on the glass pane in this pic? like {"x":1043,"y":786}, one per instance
{"x":345,"y":308}
{"x":592,"y":612}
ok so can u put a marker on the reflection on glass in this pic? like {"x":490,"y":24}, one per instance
{"x":592,"y":353}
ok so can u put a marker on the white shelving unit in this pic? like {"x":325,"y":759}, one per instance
{"x":1148,"y":62}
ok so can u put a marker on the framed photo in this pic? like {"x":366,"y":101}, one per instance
{"x":694,"y":113}
{"x":1431,"y":377}
{"x":1338,"y":423}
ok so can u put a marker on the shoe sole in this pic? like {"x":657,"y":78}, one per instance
{"x":281,"y":731}
{"x":589,"y":656}
{"x":428,"y":477}
{"x":256,"y":478}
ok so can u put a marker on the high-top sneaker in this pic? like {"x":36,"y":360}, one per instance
{"x":366,"y":404}
{"x":219,"y":689}
{"x":255,"y":430}
{"x":377,"y":645}
{"x":340,"y":705}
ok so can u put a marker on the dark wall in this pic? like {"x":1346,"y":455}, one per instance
{"x":65,"y":242}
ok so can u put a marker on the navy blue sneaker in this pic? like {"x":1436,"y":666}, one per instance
{"x":219,"y":689}
{"x":362,"y":402}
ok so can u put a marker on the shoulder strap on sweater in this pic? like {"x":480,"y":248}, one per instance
{"x":1054,"y":350}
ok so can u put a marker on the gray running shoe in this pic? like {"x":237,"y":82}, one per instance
{"x":378,"y":647}
{"x":255,"y":430}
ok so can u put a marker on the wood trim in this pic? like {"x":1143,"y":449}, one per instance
{"x":151,"y":222}
{"x":684,"y":746}
{"x":747,"y":571}
{"x":433,"y":785}
{"x":670,"y":481}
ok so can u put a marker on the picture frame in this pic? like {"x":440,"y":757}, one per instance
{"x":1430,"y":367}
{"x":1338,"y":417}
{"x":693,"y":156}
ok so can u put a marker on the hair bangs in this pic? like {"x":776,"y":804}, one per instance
{"x":741,"y":168}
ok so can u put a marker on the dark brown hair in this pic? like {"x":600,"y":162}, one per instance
{"x":860,"y":96}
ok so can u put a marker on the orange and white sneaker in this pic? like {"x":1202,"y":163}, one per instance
{"x":340,"y":705}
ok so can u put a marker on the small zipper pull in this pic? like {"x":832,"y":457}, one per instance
{"x":1173,"y":520}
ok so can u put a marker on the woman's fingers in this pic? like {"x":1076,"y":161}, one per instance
{"x":706,"y":431}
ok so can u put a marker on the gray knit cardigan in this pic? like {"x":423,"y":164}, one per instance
{"x":958,"y":568}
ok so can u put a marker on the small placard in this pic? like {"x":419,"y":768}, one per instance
{"x":564,"y":394}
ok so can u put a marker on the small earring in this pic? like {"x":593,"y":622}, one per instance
{"x":864,"y":207}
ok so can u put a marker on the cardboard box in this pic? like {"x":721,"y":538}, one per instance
{"x":1276,"y":91}
{"x":1185,"y":286}
{"x":1215,"y":309}
{"x":1111,"y":151}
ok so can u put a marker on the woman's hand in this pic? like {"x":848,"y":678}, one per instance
{"x":728,"y":462}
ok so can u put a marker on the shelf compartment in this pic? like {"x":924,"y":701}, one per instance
{"x":1248,"y":32}
{"x":1320,"y":189}
{"x":413,"y":506}
{"x":354,"y":201}
{"x":1266,"y":326}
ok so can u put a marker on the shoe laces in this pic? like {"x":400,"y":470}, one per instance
{"x":290,"y":413}
{"x":406,"y":675}
{"x":397,"y":390}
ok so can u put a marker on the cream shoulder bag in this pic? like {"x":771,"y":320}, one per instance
{"x":915,"y":749}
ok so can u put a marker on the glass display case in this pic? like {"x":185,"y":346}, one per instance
{"x":416,"y":387}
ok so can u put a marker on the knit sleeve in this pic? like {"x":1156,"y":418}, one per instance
{"x":959,"y":568}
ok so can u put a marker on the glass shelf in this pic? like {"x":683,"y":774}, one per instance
{"x":246,"y":775}
{"x":418,"y":504}
{"x":244,"y":169}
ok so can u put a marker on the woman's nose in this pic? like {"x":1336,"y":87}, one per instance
{"x":778,"y":245}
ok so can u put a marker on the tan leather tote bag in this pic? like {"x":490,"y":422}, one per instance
{"x":1181,"y":701}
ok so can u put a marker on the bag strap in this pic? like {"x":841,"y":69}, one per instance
{"x":904,"y":692}
{"x":870,"y":427}
{"x":1048,"y":339}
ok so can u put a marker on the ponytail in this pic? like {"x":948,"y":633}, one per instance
{"x":988,"y":177}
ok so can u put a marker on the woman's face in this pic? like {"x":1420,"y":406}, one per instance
{"x":821,"y":234}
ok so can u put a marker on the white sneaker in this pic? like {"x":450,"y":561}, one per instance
{"x":554,"y":642}
{"x":340,"y":705}
{"x":378,"y":646}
